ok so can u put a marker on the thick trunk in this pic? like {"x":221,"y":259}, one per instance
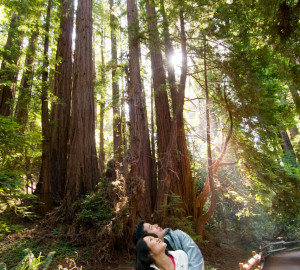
{"x":60,"y":114}
{"x":117,"y":138}
{"x":26,"y":82}
{"x":185,"y":173}
{"x":163,"y":118}
{"x":153,"y":151}
{"x":82,"y":167}
{"x":185,"y":184}
{"x":9,"y":71}
{"x":140,"y":154}
{"x":46,"y":189}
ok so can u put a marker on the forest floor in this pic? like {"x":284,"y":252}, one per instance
{"x":72,"y":256}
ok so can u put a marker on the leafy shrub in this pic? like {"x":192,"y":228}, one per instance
{"x":95,"y":209}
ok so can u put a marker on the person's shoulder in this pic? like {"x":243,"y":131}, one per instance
{"x":180,"y":232}
{"x":179,"y":254}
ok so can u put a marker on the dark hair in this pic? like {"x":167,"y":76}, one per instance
{"x":139,"y":232}
{"x":143,"y":258}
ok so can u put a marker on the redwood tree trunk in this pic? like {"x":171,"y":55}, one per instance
{"x":184,"y":181}
{"x":9,"y":72}
{"x":140,"y":154}
{"x":82,"y":167}
{"x":163,"y":118}
{"x":46,"y":189}
{"x":117,"y":138}
{"x":60,"y":114}
{"x":102,"y":108}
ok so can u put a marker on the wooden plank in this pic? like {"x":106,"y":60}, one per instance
{"x":275,"y":250}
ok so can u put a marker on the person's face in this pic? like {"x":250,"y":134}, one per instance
{"x":154,"y":229}
{"x":156,"y":245}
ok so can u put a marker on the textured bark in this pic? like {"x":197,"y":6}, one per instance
{"x":163,"y":118}
{"x":82,"y":167}
{"x":117,"y":136}
{"x":184,"y":187}
{"x":153,"y":151}
{"x":185,"y":173}
{"x":140,"y":154}
{"x":26,"y":82}
{"x":46,"y":189}
{"x":9,"y":72}
{"x":60,"y":114}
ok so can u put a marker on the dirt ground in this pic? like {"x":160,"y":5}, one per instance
{"x":283,"y":261}
{"x":216,"y":258}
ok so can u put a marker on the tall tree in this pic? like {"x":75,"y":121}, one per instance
{"x":163,"y":118}
{"x":102,"y":105}
{"x":140,"y":154}
{"x":82,"y":166}
{"x":183,"y":173}
{"x":60,"y":111}
{"x":45,"y":191}
{"x":9,"y":70}
{"x":117,"y":136}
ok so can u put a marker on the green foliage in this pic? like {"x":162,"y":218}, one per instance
{"x":176,"y":218}
{"x":95,"y":209}
{"x":12,"y":184}
{"x":31,"y":262}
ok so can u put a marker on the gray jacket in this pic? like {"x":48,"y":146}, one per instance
{"x":180,"y":240}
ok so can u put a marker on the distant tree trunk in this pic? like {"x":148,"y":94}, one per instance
{"x":102,"y":108}
{"x":9,"y":72}
{"x":117,"y":136}
{"x":26,"y":82}
{"x":45,"y":182}
{"x":60,"y":114}
{"x":294,"y":87}
{"x":289,"y":153}
{"x":140,"y":154}
{"x":123,"y":121}
{"x":82,"y":166}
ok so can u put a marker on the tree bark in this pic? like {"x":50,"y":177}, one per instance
{"x":45,"y":182}
{"x":9,"y":71}
{"x":162,"y":110}
{"x":139,"y":154}
{"x":82,"y":167}
{"x":184,"y":181}
{"x":117,"y":136}
{"x":60,"y":114}
{"x":102,"y":108}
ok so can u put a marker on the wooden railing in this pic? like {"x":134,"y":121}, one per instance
{"x":282,"y":246}
{"x":255,"y":261}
